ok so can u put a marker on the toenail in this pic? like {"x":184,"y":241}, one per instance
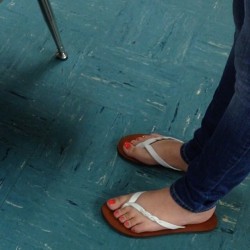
{"x":122,"y":218}
{"x":116,"y":213}
{"x":111,"y":202}
{"x":127,"y":145}
{"x":126,"y":224}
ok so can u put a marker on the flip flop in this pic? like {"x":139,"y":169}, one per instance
{"x":147,"y":145}
{"x":209,"y":225}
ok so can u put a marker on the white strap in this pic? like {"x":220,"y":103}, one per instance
{"x":147,"y":145}
{"x":132,"y":203}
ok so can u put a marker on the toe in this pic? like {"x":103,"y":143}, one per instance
{"x":125,"y":214}
{"x":138,"y":228}
{"x":143,"y":138}
{"x":133,"y":222}
{"x":127,"y":146}
{"x":117,"y":202}
{"x":145,"y":227}
{"x":123,"y":218}
{"x":122,"y":212}
{"x":139,"y":139}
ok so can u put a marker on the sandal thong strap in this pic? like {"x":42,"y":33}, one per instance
{"x":147,"y":145}
{"x":132,"y":203}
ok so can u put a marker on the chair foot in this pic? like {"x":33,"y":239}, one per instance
{"x":63,"y":56}
{"x":51,"y":22}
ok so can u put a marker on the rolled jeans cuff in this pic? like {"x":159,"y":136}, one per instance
{"x":183,"y":203}
{"x":183,"y":153}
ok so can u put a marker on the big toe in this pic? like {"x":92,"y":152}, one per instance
{"x":138,"y":153}
{"x":117,"y":202}
{"x":130,"y":149}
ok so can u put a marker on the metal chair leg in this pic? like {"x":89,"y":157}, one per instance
{"x":50,"y":20}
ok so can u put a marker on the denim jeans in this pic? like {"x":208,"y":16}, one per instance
{"x":218,"y":156}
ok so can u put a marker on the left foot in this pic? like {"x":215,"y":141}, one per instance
{"x":160,"y":204}
{"x":168,"y":150}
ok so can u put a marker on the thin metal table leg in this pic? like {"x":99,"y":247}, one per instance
{"x":50,"y":20}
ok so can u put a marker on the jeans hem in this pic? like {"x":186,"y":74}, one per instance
{"x":183,"y":153}
{"x":181,"y":203}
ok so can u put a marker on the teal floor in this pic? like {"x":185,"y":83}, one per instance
{"x":134,"y":66}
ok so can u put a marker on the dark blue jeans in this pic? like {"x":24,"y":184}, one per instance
{"x":219,"y":153}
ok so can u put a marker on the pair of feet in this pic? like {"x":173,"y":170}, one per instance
{"x":158,"y":203}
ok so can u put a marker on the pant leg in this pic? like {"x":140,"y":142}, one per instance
{"x":221,"y":98}
{"x":214,"y":112}
{"x":225,"y":158}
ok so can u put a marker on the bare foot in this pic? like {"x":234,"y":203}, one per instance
{"x":168,"y":150}
{"x":160,"y":204}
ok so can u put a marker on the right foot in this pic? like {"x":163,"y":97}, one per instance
{"x":168,"y":150}
{"x":160,"y":204}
